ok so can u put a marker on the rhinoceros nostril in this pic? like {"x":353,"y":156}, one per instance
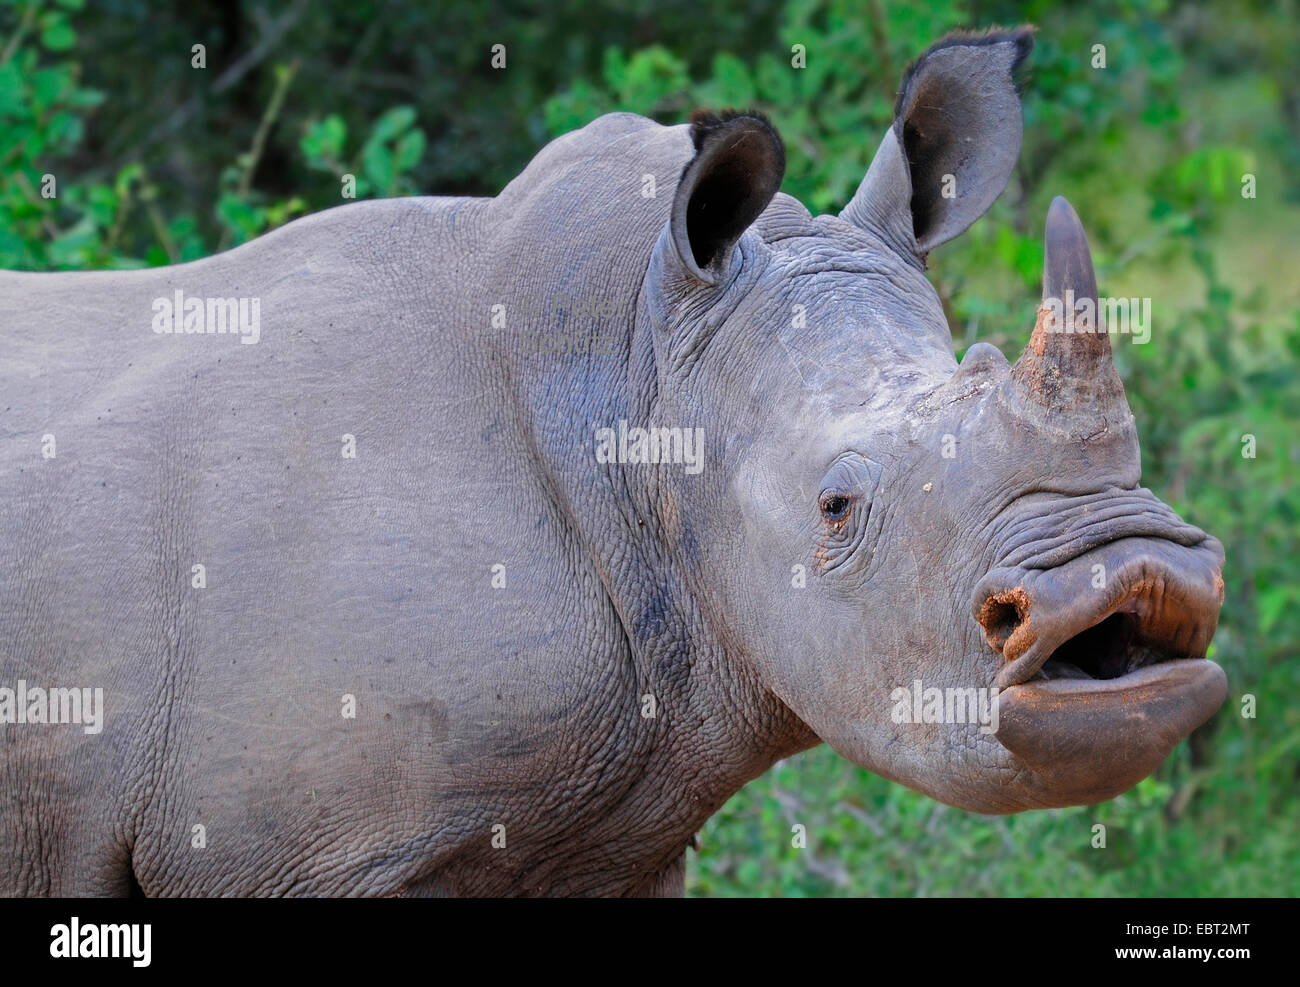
{"x":1001,"y":615}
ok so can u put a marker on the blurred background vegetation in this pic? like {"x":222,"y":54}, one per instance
{"x":157,"y":161}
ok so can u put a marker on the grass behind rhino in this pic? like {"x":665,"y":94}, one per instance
{"x":1196,"y":833}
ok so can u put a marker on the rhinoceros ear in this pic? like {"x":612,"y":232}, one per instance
{"x":737,"y":169}
{"x":953,"y":143}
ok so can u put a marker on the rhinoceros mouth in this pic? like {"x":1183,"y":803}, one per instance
{"x":1107,"y":651}
{"x":1120,"y":653}
{"x":1092,"y":715}
{"x":1126,"y":606}
{"x":1127,"y":653}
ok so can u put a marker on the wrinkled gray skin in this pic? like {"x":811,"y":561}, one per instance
{"x":522,"y":707}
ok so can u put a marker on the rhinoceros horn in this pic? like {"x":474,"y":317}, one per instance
{"x":1067,"y":368}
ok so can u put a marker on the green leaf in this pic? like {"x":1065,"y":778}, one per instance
{"x":650,"y":76}
{"x":392,"y":123}
{"x":12,"y":95}
{"x":84,"y":98}
{"x":49,"y":85}
{"x":322,"y":144}
{"x":732,"y":85}
{"x":377,"y":162}
{"x":71,"y":247}
{"x":408,"y":151}
{"x":57,"y":34}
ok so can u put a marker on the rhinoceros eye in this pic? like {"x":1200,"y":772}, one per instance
{"x":847,"y":492}
{"x":835,"y":506}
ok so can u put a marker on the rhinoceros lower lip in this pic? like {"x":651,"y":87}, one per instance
{"x":1089,"y":739}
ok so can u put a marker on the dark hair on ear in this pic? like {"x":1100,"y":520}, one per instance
{"x":706,"y":122}
{"x":1022,"y":37}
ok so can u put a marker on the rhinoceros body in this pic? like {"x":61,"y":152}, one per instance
{"x":328,"y":576}
{"x":373,"y":612}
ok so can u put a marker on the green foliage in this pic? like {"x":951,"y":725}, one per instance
{"x":394,"y":147}
{"x":44,"y":115}
{"x":42,"y":104}
{"x":157,"y":162}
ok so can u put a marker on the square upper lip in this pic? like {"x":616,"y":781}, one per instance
{"x":1171,"y":615}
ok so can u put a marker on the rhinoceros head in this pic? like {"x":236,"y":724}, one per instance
{"x":948,"y":573}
